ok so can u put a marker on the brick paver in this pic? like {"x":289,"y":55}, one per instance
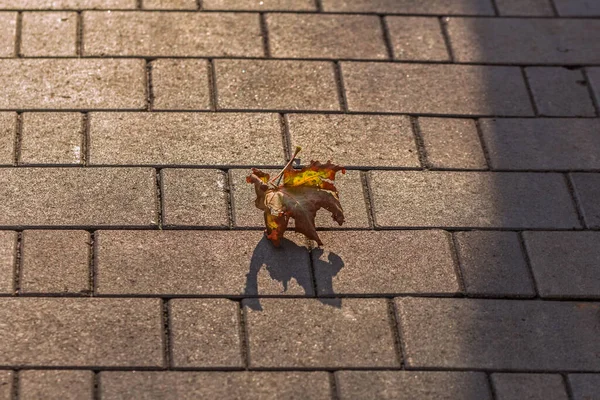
{"x":533,"y":8}
{"x":469,"y":7}
{"x":587,"y":190}
{"x":262,"y":5}
{"x":56,"y":385}
{"x":8,"y":250}
{"x":67,"y":4}
{"x":8,"y":32}
{"x":417,"y":38}
{"x":49,"y":34}
{"x":8,"y":128}
{"x":577,"y":8}
{"x":584,"y":386}
{"x":170,"y":4}
{"x":180,"y":84}
{"x":529,"y":386}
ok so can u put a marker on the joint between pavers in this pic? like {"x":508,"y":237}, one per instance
{"x":18,"y":34}
{"x":419,"y":143}
{"x":139,"y":4}
{"x":491,"y":388}
{"x":588,"y":84}
{"x":495,"y":7}
{"x":264,"y":31}
{"x":529,"y":92}
{"x":212,"y":85}
{"x":311,"y":269}
{"x":396,"y":334}
{"x":96,"y":385}
{"x":334,"y":386}
{"x":79,"y":36}
{"x":528,"y":264}
{"x":386,"y":37}
{"x":456,"y":260}
{"x":575,"y":199}
{"x":228,"y":189}
{"x":364,"y":180}
{"x":554,"y":9}
{"x":15,"y":385}
{"x":483,"y":144}
{"x":319,"y":5}
{"x":567,"y":385}
{"x":92,"y":263}
{"x":160,"y":206}
{"x":18,"y":138}
{"x":286,"y":136}
{"x":85,"y":139}
{"x":18,"y":266}
{"x":199,"y":5}
{"x":167,"y":334}
{"x":244,"y":338}
{"x":149,"y":87}
{"x":444,"y":29}
{"x":339,"y":78}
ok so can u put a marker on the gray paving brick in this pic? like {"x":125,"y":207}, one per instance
{"x":171,"y":34}
{"x":170,"y":4}
{"x":180,"y":84}
{"x":8,"y":128}
{"x":587,"y":190}
{"x":185,"y":139}
{"x":200,"y":263}
{"x":417,"y":38}
{"x":222,"y":385}
{"x":529,"y":387}
{"x":195,"y":197}
{"x":577,"y":8}
{"x":56,"y":385}
{"x":67,"y":4}
{"x":565,"y":263}
{"x":492,"y":263}
{"x":417,"y":385}
{"x":524,"y":40}
{"x":276,"y":85}
{"x":585,"y":386}
{"x":76,"y":197}
{"x":82,"y":332}
{"x":542,"y":144}
{"x":451,"y":143}
{"x":308,"y":333}
{"x":574,"y":99}
{"x":355,"y":140}
{"x":326,"y":36}
{"x":435,"y":89}
{"x":499,"y":334}
{"x":49,"y":34}
{"x":8,"y":32}
{"x":6,"y":380}
{"x":532,"y":8}
{"x":593,"y":75}
{"x":264,"y":5}
{"x":442,"y":7}
{"x":205,"y":333}
{"x":472,"y":199}
{"x":55,"y":261}
{"x":72,"y":84}
{"x":386,"y":262}
{"x":51,"y":138}
{"x":8,"y":251}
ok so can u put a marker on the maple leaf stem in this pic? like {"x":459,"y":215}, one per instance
{"x":280,"y":174}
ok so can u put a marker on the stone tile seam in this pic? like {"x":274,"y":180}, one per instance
{"x":588,"y":83}
{"x":394,"y":324}
{"x":85,"y":139}
{"x":567,"y":386}
{"x":491,"y":387}
{"x":79,"y":39}
{"x":554,"y":9}
{"x":341,"y":90}
{"x":495,"y":7}
{"x":419,"y":143}
{"x":18,"y":34}
{"x":212,"y":85}
{"x":386,"y":37}
{"x":18,"y":131}
{"x":483,"y":144}
{"x":167,"y":331}
{"x":15,"y":385}
{"x":229,"y":205}
{"x":159,"y":198}
{"x":264,"y":31}
{"x":244,"y":334}
{"x":456,"y":260}
{"x":525,"y":252}
{"x":444,"y":30}
{"x":149,"y":86}
{"x":18,"y":264}
{"x":575,"y":199}
{"x":334,"y":386}
{"x":529,"y":92}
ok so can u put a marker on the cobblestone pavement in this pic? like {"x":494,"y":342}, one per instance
{"x":132,"y":259}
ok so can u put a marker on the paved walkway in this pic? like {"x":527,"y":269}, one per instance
{"x":132,"y":259}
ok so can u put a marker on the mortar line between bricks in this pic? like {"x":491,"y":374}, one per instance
{"x":18,"y":139}
{"x":79,"y":36}
{"x":244,"y":338}
{"x":575,"y":199}
{"x":264,"y":31}
{"x":529,"y":92}
{"x":396,"y":332}
{"x":139,"y":5}
{"x":15,"y":385}
{"x":367,"y":198}
{"x":18,"y":264}
{"x":212,"y":85}
{"x":495,"y":7}
{"x":554,"y":9}
{"x":318,"y":6}
{"x":525,"y":253}
{"x":199,"y":5}
{"x":286,"y":136}
{"x":92,"y":263}
{"x":339,"y":78}
{"x":567,"y":385}
{"x":419,"y":143}
{"x":386,"y":37}
{"x":96,"y":385}
{"x":18,"y":34}
{"x":491,"y":387}
{"x":167,"y":334}
{"x":311,"y":267}
{"x":160,"y":204}
{"x":149,"y":86}
{"x":588,"y":84}
{"x":446,"y":36}
{"x":483,"y":144}
{"x":228,"y":189}
{"x":231,"y":202}
{"x":85,"y":139}
{"x":334,"y":386}
{"x":456,"y":260}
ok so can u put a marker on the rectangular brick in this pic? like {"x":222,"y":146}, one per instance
{"x":8,"y":252}
{"x":55,"y":262}
{"x":577,"y":8}
{"x":8,"y":129}
{"x":170,"y":4}
{"x":200,"y":263}
{"x":276,"y":85}
{"x":524,"y":40}
{"x":169,"y":385}
{"x":435,"y":89}
{"x":81,"y":332}
{"x":499,"y":334}
{"x":6,"y":385}
{"x":185,"y":139}
{"x":585,"y":386}
{"x":355,"y":333}
{"x":205,"y":333}
{"x":529,"y":386}
{"x":417,"y":38}
{"x":172,"y":34}
{"x":56,"y":384}
{"x":52,"y":34}
{"x":8,"y":33}
{"x":51,"y":138}
{"x":441,"y":7}
{"x":415,"y":385}
{"x":341,"y":267}
{"x":72,"y":84}
{"x":264,"y":5}
{"x":472,"y":199}
{"x":67,"y":4}
{"x":77,"y":197}
{"x":180,"y":84}
{"x":542,"y":144}
{"x":325,"y":36}
{"x":587,"y":190}
{"x":529,"y":8}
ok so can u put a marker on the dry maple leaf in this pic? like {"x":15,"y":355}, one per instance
{"x":302,"y":193}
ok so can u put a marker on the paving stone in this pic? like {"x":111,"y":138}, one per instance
{"x":81,"y":332}
{"x":170,"y":4}
{"x":587,"y":189}
{"x":417,"y":385}
{"x":585,"y":386}
{"x":574,"y":99}
{"x":51,"y":138}
{"x":499,"y":334}
{"x":593,"y":75}
{"x":205,"y":333}
{"x":180,"y":84}
{"x":417,"y":38}
{"x":471,"y":199}
{"x":492,"y":263}
{"x":6,"y":380}
{"x":529,"y":387}
{"x":260,"y":5}
{"x":542,"y":143}
{"x":577,"y":8}
{"x":195,"y":197}
{"x":8,"y":129}
{"x":565,"y":263}
{"x":77,"y":197}
{"x":390,"y":262}
{"x":55,"y":262}
{"x":355,"y":140}
{"x":276,"y":85}
{"x":524,"y":40}
{"x":201,"y":263}
{"x":326,"y":36}
{"x":67,"y":4}
{"x":72,"y":84}
{"x":8,"y":251}
{"x":8,"y":32}
{"x":49,"y":34}
{"x":169,"y":385}
{"x":56,"y":384}
{"x":441,"y":7}
{"x":154,"y":34}
{"x":435,"y":89}
{"x":530,"y":8}
{"x":306,"y":333}
{"x":185,"y":139}
{"x":451,"y":143}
